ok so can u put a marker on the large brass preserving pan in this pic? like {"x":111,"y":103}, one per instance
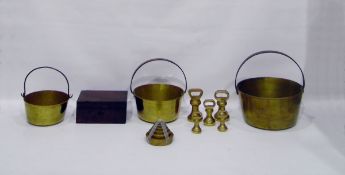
{"x":270,"y":103}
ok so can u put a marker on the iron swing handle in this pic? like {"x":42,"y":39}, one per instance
{"x":264,"y":52}
{"x":158,"y":59}
{"x":46,"y":67}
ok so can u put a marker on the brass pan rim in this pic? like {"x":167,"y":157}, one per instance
{"x":158,"y":84}
{"x":271,"y":98}
{"x":62,"y":97}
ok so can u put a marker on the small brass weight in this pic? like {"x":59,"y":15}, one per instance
{"x":209,"y":105}
{"x":195,"y":95}
{"x":196,"y":128}
{"x":222,"y":119}
{"x":222,"y":96}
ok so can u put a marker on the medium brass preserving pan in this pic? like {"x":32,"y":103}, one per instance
{"x":158,"y":101}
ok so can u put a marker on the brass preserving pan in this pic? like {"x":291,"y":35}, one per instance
{"x":270,"y":103}
{"x":158,"y":101}
{"x":46,"y":107}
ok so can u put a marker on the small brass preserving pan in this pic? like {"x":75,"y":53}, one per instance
{"x":158,"y":101}
{"x":270,"y":103}
{"x":46,"y":107}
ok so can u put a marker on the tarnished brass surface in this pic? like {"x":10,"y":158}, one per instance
{"x":195,"y":95}
{"x":158,"y":102}
{"x":267,"y":102}
{"x":44,"y":108}
{"x":222,"y":117}
{"x":209,"y":104}
{"x":270,"y":103}
{"x":159,"y":134}
{"x":222,"y":97}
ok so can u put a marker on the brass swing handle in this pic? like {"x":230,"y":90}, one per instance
{"x":217,"y":94}
{"x":264,"y":52}
{"x":209,"y":103}
{"x":46,"y":67}
{"x":158,"y":59}
{"x":195,"y":92}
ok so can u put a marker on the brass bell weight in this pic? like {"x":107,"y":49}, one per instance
{"x":222,"y":117}
{"x":196,"y":128}
{"x":209,"y":104}
{"x":195,"y":95}
{"x":222,"y":97}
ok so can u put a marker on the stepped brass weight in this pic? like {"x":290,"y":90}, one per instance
{"x":195,"y":95}
{"x":222,"y":97}
{"x":209,"y":104}
{"x":159,"y":134}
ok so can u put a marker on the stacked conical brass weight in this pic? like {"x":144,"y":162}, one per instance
{"x":159,"y":134}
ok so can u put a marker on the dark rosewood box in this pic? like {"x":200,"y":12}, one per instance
{"x":102,"y":107}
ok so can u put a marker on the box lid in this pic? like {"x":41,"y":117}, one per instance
{"x":102,"y":96}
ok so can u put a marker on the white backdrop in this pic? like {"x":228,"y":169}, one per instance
{"x":98,"y":44}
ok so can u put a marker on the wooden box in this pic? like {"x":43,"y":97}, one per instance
{"x":102,"y":107}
